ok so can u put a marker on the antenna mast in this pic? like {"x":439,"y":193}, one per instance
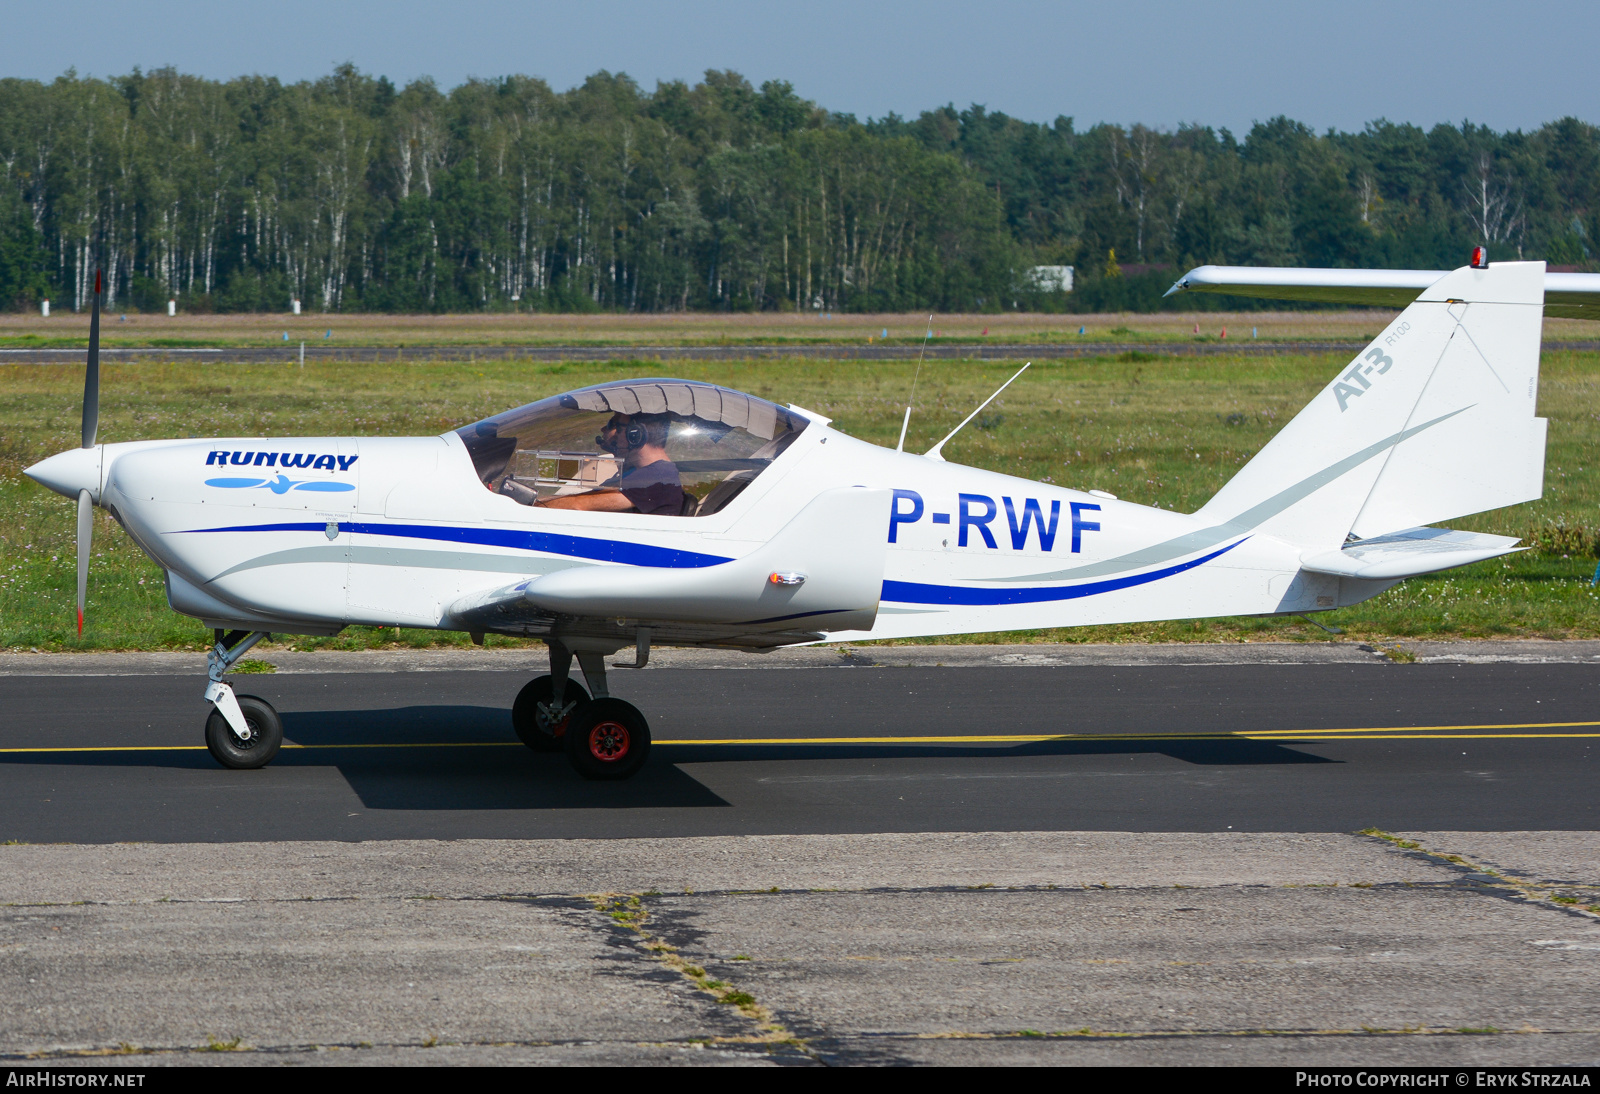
{"x":906,"y":421}
{"x":935,"y":452}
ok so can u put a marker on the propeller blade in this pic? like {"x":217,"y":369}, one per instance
{"x":91,"y":375}
{"x":85,"y":541}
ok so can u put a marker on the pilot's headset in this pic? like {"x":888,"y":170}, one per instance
{"x":633,"y":435}
{"x":641,"y":431}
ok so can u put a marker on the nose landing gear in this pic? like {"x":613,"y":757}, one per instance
{"x":605,"y":738}
{"x":243,"y":731}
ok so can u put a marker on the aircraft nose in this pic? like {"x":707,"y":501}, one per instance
{"x":69,"y":472}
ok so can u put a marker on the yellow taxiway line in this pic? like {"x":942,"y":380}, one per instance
{"x":1422,"y":729}
{"x":1306,"y":736}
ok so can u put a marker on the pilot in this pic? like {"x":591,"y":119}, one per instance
{"x":649,"y":482}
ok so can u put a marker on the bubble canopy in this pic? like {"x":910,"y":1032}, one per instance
{"x":719,"y":439}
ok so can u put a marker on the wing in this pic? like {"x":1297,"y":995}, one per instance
{"x":1566,"y":295}
{"x":822,"y":572}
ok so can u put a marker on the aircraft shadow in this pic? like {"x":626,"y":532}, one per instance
{"x":472,"y":776}
{"x":1205,"y":752}
{"x":471,"y":724}
{"x":490,"y":771}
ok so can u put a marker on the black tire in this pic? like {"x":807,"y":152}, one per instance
{"x":266,"y":735}
{"x":607,"y":739}
{"x":532,"y":726}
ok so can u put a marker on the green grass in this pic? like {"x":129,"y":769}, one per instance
{"x":1163,"y":431}
{"x":1124,"y":335}
{"x":34,"y":341}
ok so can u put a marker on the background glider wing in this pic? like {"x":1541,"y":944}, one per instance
{"x":1566,"y":295}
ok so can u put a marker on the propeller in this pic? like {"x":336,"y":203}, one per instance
{"x":85,"y":534}
{"x":91,"y":424}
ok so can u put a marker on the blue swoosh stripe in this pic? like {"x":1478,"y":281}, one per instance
{"x":600,"y":550}
{"x":639,"y":554}
{"x":911,"y":592}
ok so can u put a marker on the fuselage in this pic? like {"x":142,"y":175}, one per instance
{"x":312,"y":534}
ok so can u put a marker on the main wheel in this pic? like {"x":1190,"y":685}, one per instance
{"x":531,"y":713}
{"x":266,"y":735}
{"x":607,"y":739}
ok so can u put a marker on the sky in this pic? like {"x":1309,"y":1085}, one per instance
{"x":1334,"y":65}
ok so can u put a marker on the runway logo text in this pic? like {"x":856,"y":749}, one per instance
{"x":281,"y":459}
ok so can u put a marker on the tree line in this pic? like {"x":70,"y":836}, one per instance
{"x":349,"y":194}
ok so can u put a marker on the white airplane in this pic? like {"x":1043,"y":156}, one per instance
{"x":673,"y":512}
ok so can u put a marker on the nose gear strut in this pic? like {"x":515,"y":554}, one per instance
{"x":243,"y":731}
{"x":227,"y":651}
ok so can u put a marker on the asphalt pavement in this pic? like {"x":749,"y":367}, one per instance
{"x":1302,"y":854}
{"x":910,"y":747}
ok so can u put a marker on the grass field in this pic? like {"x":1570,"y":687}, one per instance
{"x":1164,"y":431}
{"x":21,"y":331}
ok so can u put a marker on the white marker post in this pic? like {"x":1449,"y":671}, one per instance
{"x":44,"y":309}
{"x":302,"y":355}
{"x":294,"y":306}
{"x":172,"y":307}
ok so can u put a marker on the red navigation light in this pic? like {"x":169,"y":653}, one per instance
{"x":1480,"y":258}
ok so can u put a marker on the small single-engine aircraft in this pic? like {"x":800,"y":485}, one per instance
{"x":673,"y":512}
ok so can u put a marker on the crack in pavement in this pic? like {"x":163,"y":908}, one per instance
{"x":627,"y":912}
{"x":1494,"y":881}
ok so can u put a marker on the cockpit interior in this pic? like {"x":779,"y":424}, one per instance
{"x":590,"y":441}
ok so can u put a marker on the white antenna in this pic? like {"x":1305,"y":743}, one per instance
{"x":906,"y":421}
{"x":934,"y":454}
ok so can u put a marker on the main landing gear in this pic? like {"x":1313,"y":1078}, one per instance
{"x":243,"y":731}
{"x":603,"y":737}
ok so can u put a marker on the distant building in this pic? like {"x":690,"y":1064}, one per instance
{"x":1051,"y":278}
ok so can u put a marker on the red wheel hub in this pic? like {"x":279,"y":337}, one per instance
{"x":609,"y":741}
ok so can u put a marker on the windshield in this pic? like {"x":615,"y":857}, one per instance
{"x":713,"y":440}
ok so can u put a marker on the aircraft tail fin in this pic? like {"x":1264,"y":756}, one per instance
{"x":1433,"y":420}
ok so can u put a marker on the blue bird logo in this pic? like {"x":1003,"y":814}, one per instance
{"x":282,"y":485}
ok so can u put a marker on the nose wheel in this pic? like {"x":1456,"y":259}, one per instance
{"x":242,"y":731}
{"x":265,"y":735}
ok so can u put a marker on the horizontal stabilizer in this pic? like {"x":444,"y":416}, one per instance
{"x":1566,"y":295}
{"x":1410,"y":553}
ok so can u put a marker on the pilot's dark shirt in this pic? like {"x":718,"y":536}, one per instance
{"x":654,"y":488}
